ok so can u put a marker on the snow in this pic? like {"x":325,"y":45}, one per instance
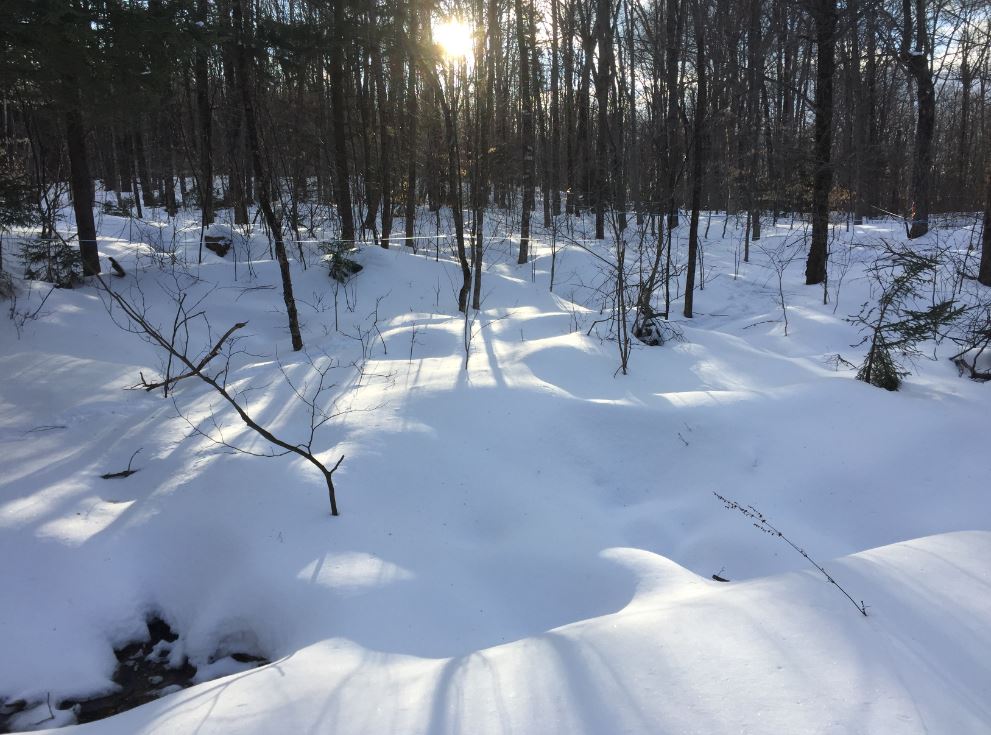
{"x":525,"y":545}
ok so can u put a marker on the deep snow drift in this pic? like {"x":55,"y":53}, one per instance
{"x":525,"y":545}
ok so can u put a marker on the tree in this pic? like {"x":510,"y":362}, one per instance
{"x":204,"y":113}
{"x":807,"y":101}
{"x":898,"y":322}
{"x":699,"y":149}
{"x":265,"y":185}
{"x":824,"y":18}
{"x":603,"y":86}
{"x":755,"y":62}
{"x":339,"y":36}
{"x":984,"y":274}
{"x":16,"y":206}
{"x":526,"y":128}
{"x":915,"y":54}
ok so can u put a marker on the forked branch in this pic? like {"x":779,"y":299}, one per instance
{"x":197,"y":369}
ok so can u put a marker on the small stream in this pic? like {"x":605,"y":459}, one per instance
{"x":146,"y":670}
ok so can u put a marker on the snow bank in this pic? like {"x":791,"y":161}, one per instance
{"x":526,"y":545}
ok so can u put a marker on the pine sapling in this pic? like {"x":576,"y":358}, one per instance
{"x":901,"y":320}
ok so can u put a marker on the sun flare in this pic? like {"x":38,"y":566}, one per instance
{"x":454,"y":38}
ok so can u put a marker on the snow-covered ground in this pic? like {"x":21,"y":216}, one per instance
{"x":526,"y":545}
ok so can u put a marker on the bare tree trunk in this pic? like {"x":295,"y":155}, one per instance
{"x":165,"y":141}
{"x":603,"y":78}
{"x":966,"y":80}
{"x":141,"y":157}
{"x":861,"y":132}
{"x":585,"y":166}
{"x":454,"y":181}
{"x":526,"y":131}
{"x":570,"y":181}
{"x":916,"y":60}
{"x":698,"y":164}
{"x":388,"y":115}
{"x":631,"y":163}
{"x":262,"y":172}
{"x":984,"y":274}
{"x":132,"y":174}
{"x":555,"y":121}
{"x":337,"y":82}
{"x":82,"y":186}
{"x":485,"y":101}
{"x":412,"y":117}
{"x":373,"y":186}
{"x":824,"y":17}
{"x":673,"y":30}
{"x":754,"y":81}
{"x":232,"y":120}
{"x":205,"y":117}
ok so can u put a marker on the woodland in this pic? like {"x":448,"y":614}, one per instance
{"x":495,"y":366}
{"x":625,"y":109}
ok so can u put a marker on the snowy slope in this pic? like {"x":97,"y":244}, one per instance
{"x":525,"y":545}
{"x":685,"y":655}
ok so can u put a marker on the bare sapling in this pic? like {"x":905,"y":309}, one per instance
{"x":780,"y":257}
{"x":178,"y":351}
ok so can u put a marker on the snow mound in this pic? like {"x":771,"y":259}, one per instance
{"x":785,"y":653}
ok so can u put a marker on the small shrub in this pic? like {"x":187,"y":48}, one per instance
{"x":656,"y":331}
{"x":342,"y":268}
{"x":18,"y":207}
{"x":7,"y":288}
{"x":117,"y":209}
{"x":902,"y":319}
{"x":52,"y":261}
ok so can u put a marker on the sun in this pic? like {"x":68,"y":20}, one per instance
{"x":454,"y":38}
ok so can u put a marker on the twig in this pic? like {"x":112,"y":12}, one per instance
{"x":764,"y":525}
{"x":123,"y":473}
{"x":202,"y":363}
{"x":51,"y":712}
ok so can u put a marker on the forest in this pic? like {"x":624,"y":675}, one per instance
{"x":495,"y":366}
{"x":625,"y":109}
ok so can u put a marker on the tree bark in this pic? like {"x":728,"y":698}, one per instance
{"x":603,"y":77}
{"x":232,"y":120}
{"x":337,"y":81}
{"x":824,"y":18}
{"x":673,"y":52}
{"x":984,"y":274}
{"x":754,"y":79}
{"x":388,"y":116}
{"x":141,"y":157}
{"x":555,"y":118}
{"x":698,"y":165}
{"x":916,"y":60}
{"x":526,"y":131}
{"x":262,"y":173}
{"x":205,"y":119}
{"x":454,"y":181}
{"x":412,"y":118}
{"x":82,"y":188}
